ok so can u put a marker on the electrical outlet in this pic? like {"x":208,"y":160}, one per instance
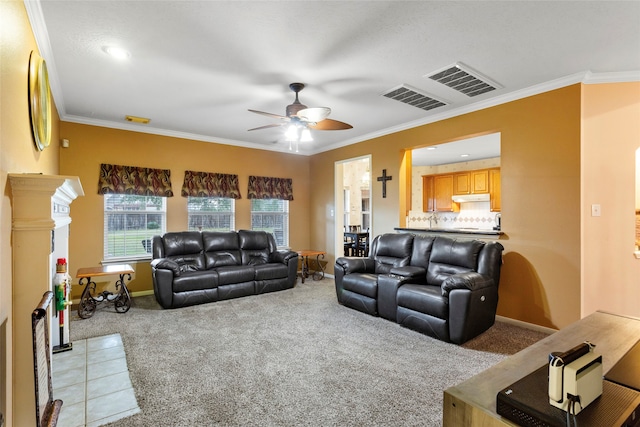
{"x":595,"y":210}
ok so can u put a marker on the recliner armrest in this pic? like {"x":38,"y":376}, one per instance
{"x":356,"y":265}
{"x":409,"y":272}
{"x":470,"y":280}
{"x":283,"y":256}
{"x":166,"y":264}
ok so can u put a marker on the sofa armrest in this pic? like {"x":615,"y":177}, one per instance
{"x":470,"y":280}
{"x":166,"y":264}
{"x":410,"y":272}
{"x":356,"y":265}
{"x":283,"y":256}
{"x":388,"y":285}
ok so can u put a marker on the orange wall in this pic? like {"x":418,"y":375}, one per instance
{"x":89,"y":146}
{"x":611,"y":136}
{"x":17,"y":155}
{"x":540,"y":166}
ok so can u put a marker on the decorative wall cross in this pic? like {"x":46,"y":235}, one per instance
{"x":384,"y":178}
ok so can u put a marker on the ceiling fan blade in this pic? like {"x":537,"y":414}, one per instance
{"x":277,"y":116}
{"x":314,"y":114}
{"x":273,"y":125}
{"x":329,"y":124}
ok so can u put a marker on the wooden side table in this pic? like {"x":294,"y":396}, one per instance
{"x":317,"y":274}
{"x":89,"y":300}
{"x":474,"y":401}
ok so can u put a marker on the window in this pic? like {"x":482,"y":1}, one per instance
{"x":129,"y":224}
{"x":366,"y":210}
{"x":346,"y":203}
{"x":211,"y":213}
{"x":272,"y":216}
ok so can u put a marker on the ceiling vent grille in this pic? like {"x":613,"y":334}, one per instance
{"x":411,"y":96}
{"x":464,"y":80}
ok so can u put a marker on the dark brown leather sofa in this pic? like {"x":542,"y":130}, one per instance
{"x":192,"y":267}
{"x":443,"y":287}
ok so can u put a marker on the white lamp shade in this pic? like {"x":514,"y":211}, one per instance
{"x":314,"y":114}
{"x":306,"y":135}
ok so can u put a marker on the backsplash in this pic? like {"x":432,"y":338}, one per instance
{"x":471,"y":215}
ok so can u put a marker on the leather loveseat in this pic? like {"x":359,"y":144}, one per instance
{"x":443,"y":287}
{"x":192,"y":267}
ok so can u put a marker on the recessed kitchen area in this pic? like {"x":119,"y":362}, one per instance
{"x":456,"y":187}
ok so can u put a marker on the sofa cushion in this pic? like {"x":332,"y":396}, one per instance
{"x":195,"y":280}
{"x":185,"y":248}
{"x":392,"y":250}
{"x":189,"y":262}
{"x":234,"y":274}
{"x":255,"y":246}
{"x":221,"y":249}
{"x":180,"y":243}
{"x":361,"y":283}
{"x":452,"y":256}
{"x":422,"y":246}
{"x":424,"y":299}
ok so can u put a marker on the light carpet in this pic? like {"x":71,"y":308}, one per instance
{"x":289,"y":358}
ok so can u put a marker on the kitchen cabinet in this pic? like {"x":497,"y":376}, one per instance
{"x":461,"y":183}
{"x":443,"y":191}
{"x":471,"y":182}
{"x":428,"y":193}
{"x":437,"y":191}
{"x":494,"y":189}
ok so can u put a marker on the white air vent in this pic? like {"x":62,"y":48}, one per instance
{"x":411,"y":96}
{"x":463,"y":79}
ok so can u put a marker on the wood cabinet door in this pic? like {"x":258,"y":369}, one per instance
{"x":461,"y":183}
{"x":428,"y":194}
{"x":479,"y":181}
{"x":443,"y":187}
{"x":494,"y":190}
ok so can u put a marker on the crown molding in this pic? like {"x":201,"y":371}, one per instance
{"x":41,"y":35}
{"x":170,"y":133}
{"x":620,"y":77}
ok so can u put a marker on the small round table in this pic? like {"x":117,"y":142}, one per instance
{"x":317,"y":274}
{"x":88,"y":301}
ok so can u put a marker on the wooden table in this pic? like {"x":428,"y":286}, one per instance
{"x":473,"y":402}
{"x":317,"y":274}
{"x":89,"y":300}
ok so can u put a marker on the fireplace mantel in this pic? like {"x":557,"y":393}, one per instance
{"x":40,"y":206}
{"x":42,"y":201}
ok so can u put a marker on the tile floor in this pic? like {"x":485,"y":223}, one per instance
{"x":93,"y":382}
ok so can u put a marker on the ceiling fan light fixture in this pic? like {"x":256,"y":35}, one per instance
{"x":292,"y":133}
{"x":305,"y":136}
{"x":314,"y":114}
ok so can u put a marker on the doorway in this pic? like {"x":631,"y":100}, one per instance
{"x":353,"y":201}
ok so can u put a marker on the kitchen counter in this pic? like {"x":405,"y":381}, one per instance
{"x":468,"y":231}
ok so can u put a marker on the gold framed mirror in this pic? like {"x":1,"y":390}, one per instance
{"x":39,"y":101}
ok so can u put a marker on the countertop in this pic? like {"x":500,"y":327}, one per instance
{"x":472,"y":231}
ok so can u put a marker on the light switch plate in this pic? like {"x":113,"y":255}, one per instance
{"x":595,"y":210}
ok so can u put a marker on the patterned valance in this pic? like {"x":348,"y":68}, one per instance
{"x":262,"y":187}
{"x":205,"y":184}
{"x":116,"y":179}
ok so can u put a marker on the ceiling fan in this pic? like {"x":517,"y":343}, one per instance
{"x":299,"y":116}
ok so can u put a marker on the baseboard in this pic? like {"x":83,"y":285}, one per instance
{"x":75,"y":302}
{"x":141,"y":293}
{"x":526,"y":325}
